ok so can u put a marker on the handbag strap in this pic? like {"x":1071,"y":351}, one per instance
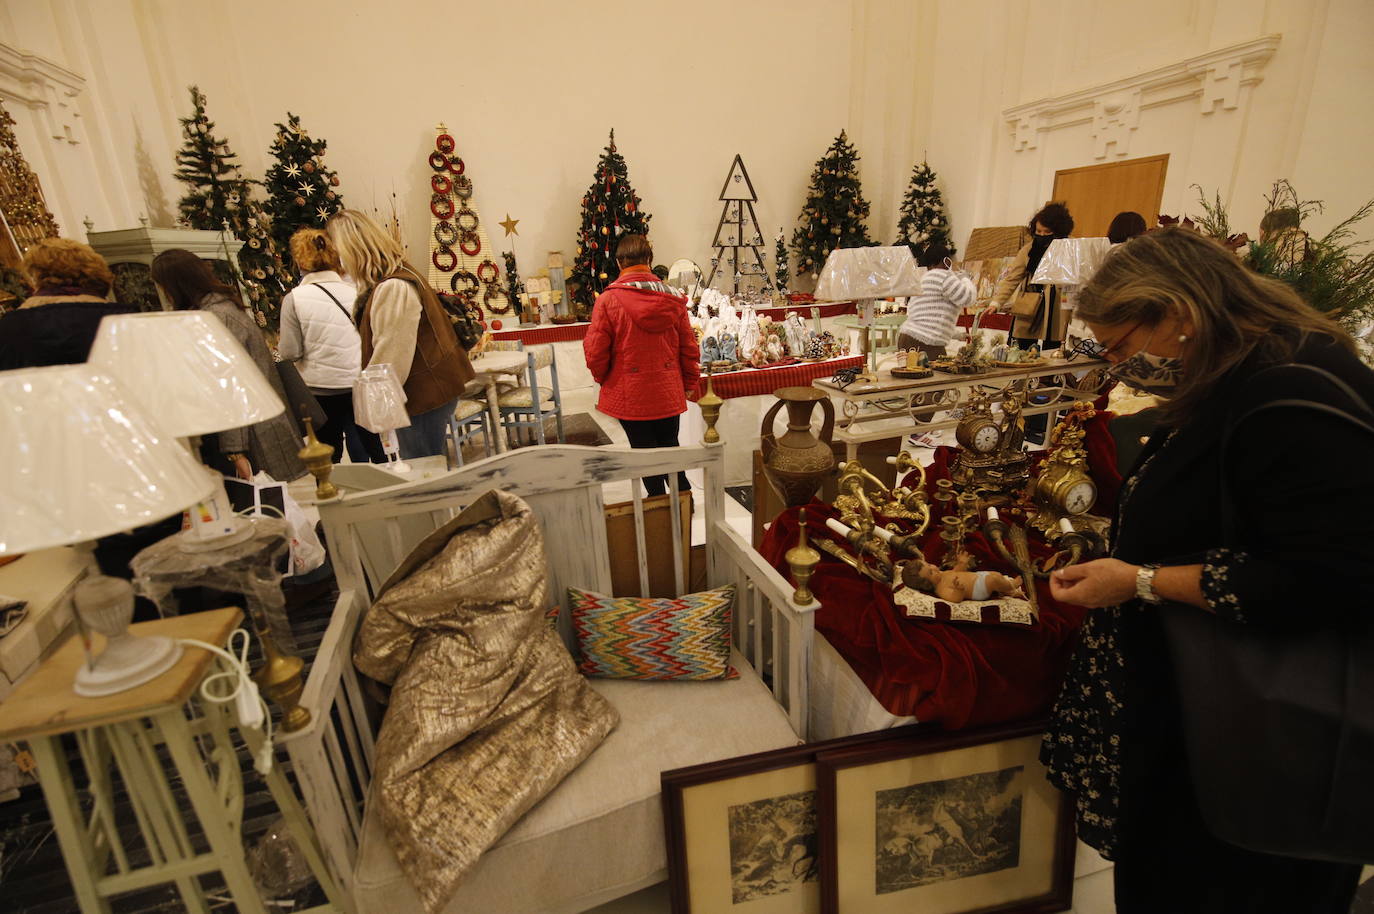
{"x":1227,"y":506}
{"x":335,"y":300}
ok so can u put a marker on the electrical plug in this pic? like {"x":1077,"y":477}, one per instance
{"x":249,"y":705}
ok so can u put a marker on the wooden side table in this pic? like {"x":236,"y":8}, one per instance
{"x":123,"y":731}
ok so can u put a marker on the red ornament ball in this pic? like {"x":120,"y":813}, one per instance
{"x":309,"y":167}
{"x":496,"y":325}
{"x":629,"y":207}
{"x":601,"y":207}
{"x":330,"y":195}
{"x":334,"y":179}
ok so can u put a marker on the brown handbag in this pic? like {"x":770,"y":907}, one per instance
{"x":1026,"y":303}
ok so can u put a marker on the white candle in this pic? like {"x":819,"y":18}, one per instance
{"x":1065,"y":525}
{"x":892,"y":461}
{"x":992,"y":513}
{"x":838,"y":527}
{"x":884,"y":533}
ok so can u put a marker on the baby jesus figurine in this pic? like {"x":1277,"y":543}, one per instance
{"x":958,"y":584}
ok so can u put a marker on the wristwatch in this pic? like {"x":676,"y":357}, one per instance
{"x":1145,"y":585}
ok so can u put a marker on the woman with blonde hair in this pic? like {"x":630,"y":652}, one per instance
{"x":401,"y":323}
{"x":57,"y":324}
{"x":1224,"y":531}
{"x":318,"y":334}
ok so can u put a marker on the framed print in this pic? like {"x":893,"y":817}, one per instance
{"x":940,"y":822}
{"x":742,"y":833}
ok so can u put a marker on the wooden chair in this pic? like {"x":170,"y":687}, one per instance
{"x":599,"y":834}
{"x":524,"y":408}
{"x":469,"y":420}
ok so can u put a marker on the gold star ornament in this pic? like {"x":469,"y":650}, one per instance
{"x":509,"y":225}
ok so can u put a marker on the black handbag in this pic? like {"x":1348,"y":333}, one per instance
{"x":1279,"y":725}
{"x":300,"y":401}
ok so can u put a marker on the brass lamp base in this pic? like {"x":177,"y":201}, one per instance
{"x":318,"y":458}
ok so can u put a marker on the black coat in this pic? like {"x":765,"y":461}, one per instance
{"x":56,"y":333}
{"x":1299,"y":486}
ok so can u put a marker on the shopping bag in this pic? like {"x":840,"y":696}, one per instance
{"x":269,"y":497}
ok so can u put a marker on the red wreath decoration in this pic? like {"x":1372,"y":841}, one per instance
{"x":483,"y":266}
{"x":456,"y":166}
{"x":444,"y":143}
{"x":438,"y":161}
{"x":470,"y":244}
{"x":445,"y":251}
{"x":440,"y":184}
{"x":441,"y":206}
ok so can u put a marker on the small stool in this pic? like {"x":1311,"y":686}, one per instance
{"x":123,"y":731}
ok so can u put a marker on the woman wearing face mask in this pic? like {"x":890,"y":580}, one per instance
{"x":1181,"y":317}
{"x":1045,"y":320}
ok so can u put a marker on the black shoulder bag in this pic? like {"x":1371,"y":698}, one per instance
{"x":1279,"y":726}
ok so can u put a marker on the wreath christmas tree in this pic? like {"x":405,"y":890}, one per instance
{"x":835,"y":209}
{"x":301,"y":190}
{"x":461,"y":259}
{"x":923,"y":223}
{"x":610,"y":208}
{"x":218,"y":196}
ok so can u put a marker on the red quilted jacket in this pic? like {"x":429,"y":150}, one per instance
{"x":641,"y":349}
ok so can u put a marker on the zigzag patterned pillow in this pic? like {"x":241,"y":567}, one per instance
{"x":654,"y":638}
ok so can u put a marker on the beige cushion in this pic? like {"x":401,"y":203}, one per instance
{"x":467,"y":408}
{"x":520,"y":396}
{"x":599,"y":835}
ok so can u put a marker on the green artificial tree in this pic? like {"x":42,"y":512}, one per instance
{"x":302,"y":192}
{"x":835,"y":209}
{"x":514,"y":287}
{"x":923,"y":224}
{"x":610,"y":209}
{"x":218,"y":196}
{"x":780,"y":271}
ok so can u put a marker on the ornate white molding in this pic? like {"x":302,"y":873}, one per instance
{"x":48,"y":89}
{"x":1113,"y":109}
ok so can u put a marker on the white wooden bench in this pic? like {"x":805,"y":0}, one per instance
{"x":599,"y":834}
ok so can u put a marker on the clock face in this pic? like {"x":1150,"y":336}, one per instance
{"x":985,"y":438}
{"x":1080,"y":497}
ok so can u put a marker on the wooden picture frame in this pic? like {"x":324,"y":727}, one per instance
{"x":771,"y":866}
{"x":961,"y":822}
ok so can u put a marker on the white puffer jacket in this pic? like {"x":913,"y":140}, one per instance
{"x":318,"y":336}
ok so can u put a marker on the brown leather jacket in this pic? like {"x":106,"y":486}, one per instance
{"x":441,"y":368}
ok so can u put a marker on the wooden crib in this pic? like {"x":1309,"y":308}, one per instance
{"x":599,"y":834}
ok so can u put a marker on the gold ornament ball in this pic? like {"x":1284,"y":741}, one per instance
{"x":603,"y":275}
{"x":605,"y":230}
{"x":300,"y":201}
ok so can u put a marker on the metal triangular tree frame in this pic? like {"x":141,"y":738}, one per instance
{"x":739,"y":196}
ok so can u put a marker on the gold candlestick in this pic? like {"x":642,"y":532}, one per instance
{"x":710,"y":411}
{"x":802,"y":560}
{"x":318,"y":458}
{"x":279,"y":678}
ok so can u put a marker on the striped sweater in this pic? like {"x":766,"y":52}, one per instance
{"x":932,"y":315}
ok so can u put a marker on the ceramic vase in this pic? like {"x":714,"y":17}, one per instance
{"x":798,"y":462}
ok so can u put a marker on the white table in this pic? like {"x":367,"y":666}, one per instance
{"x":489,"y":367}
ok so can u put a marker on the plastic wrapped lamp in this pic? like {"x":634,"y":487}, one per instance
{"x":217,"y":386}
{"x":865,"y":274}
{"x":82,"y":461}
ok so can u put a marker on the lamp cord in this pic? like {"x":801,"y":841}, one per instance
{"x":253,"y":711}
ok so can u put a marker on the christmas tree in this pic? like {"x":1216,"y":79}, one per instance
{"x":738,"y":238}
{"x":218,"y":197}
{"x":21,"y":196}
{"x":780,"y":271}
{"x":923,"y":224}
{"x":301,"y":191}
{"x":835,"y":209}
{"x":610,"y":208}
{"x":461,"y":259}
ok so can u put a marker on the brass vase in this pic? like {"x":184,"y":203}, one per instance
{"x":797,"y":463}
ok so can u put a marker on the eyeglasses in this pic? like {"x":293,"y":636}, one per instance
{"x":1109,"y":351}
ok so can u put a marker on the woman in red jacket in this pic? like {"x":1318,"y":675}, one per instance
{"x":641,"y":349}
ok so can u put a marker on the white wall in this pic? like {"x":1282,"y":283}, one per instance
{"x":530,"y":88}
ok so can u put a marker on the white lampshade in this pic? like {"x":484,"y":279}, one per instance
{"x":859,"y":273}
{"x":80,"y":459}
{"x":1071,"y":261}
{"x":186,"y":369}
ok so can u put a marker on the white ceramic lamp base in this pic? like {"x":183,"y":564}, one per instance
{"x":127,"y":661}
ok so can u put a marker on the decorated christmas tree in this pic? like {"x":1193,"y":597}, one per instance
{"x":923,"y":223}
{"x":835,"y":209}
{"x":21,"y":196}
{"x":301,"y":190}
{"x":610,"y":208}
{"x":780,"y":272}
{"x":218,"y":196}
{"x":738,"y":241}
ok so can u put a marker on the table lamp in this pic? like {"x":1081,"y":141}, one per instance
{"x":865,"y":274}
{"x":82,"y":460}
{"x":1071,"y":262}
{"x":188,"y":371}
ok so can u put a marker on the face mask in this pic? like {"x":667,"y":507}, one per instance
{"x":1150,"y":373}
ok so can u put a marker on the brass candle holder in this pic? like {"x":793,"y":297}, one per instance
{"x":998,"y":532}
{"x":802,"y":561}
{"x":318,"y":458}
{"x":710,"y":405}
{"x":279,"y":679}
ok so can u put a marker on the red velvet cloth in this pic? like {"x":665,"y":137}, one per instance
{"x":957,"y":675}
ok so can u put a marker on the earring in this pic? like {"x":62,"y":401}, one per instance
{"x":1183,"y":337}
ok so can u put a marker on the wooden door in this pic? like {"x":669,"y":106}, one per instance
{"x":1096,"y":193}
